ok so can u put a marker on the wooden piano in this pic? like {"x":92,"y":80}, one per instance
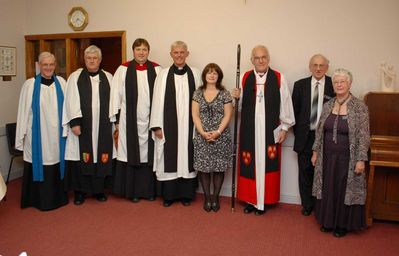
{"x":383,"y":177}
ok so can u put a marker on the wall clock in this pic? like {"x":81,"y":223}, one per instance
{"x":78,"y":18}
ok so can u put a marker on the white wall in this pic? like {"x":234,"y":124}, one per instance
{"x":12,"y":27}
{"x":357,"y":35}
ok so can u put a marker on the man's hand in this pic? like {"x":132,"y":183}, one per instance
{"x":76,"y":130}
{"x":282,"y":135}
{"x":235,"y":93}
{"x":158,"y":133}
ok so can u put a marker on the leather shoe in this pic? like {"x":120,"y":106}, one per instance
{"x":186,"y":202}
{"x":101,"y":197}
{"x":135,"y":199}
{"x":306,"y":211}
{"x":249,"y":208}
{"x":216,"y":205}
{"x":260,"y":212}
{"x":339,"y":232}
{"x":79,"y":198}
{"x":207,"y":206}
{"x":167,"y":203}
{"x":325,"y":230}
{"x":151,"y":198}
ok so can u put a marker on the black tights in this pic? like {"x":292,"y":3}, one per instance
{"x":205,"y":179}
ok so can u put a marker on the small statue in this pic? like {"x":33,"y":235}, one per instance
{"x":388,"y":77}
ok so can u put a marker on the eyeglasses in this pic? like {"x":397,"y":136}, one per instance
{"x":263,"y":58}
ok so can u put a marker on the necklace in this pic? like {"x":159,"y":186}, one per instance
{"x":340,"y":103}
{"x":335,"y":127}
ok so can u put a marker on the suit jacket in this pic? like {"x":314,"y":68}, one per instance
{"x":301,"y":99}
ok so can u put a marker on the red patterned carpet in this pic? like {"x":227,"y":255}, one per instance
{"x":119,"y":227}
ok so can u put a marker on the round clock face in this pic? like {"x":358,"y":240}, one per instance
{"x":78,"y":18}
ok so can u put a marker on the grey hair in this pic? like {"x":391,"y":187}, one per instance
{"x":260,"y":46}
{"x":178,"y":44}
{"x":44,"y":55}
{"x":343,"y":72}
{"x":93,"y":49}
{"x":321,"y":56}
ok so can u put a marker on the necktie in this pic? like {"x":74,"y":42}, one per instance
{"x":314,"y":106}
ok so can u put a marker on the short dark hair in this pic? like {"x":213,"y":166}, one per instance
{"x":140,"y":41}
{"x":212,"y":67}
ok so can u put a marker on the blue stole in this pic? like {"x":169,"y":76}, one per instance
{"x":37,"y":158}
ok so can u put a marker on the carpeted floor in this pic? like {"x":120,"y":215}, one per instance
{"x":119,"y":227}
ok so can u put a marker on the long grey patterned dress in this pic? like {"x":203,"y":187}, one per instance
{"x":215,"y":156}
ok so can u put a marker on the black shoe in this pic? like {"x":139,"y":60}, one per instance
{"x":186,"y":202}
{"x":151,"y":198}
{"x":207,"y":206}
{"x":339,"y":232}
{"x":101,"y":197}
{"x":215,"y":205}
{"x":260,"y":212}
{"x":325,"y":230}
{"x":306,"y":211}
{"x":167,"y":203}
{"x":79,"y":198}
{"x":135,"y":199}
{"x":249,"y":208}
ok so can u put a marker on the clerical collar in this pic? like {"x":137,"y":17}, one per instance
{"x":94,"y":73}
{"x":179,"y":70}
{"x":141,"y":67}
{"x":46,"y":81}
{"x":260,"y":79}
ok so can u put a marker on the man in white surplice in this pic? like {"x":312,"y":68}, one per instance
{"x":89,"y":148}
{"x":172,"y":126}
{"x":266,"y":116}
{"x":39,"y":136}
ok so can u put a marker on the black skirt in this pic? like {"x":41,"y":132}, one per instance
{"x":46,"y":195}
{"x":331,"y":211}
{"x":134,"y":181}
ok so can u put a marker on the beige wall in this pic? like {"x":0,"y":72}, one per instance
{"x":357,"y":35}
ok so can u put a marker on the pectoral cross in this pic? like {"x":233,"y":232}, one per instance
{"x":260,"y":96}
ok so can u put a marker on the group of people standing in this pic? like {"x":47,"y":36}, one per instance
{"x":148,"y":132}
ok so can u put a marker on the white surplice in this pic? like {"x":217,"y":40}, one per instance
{"x":72,"y":110}
{"x":49,"y":121}
{"x":118,"y":102}
{"x":183,"y":114}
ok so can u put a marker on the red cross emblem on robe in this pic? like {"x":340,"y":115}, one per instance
{"x":104,"y":158}
{"x":271,"y":152}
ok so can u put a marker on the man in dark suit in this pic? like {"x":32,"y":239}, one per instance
{"x":308,"y":98}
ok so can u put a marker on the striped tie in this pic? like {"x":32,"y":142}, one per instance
{"x":315,"y":103}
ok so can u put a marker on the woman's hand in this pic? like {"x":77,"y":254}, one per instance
{"x":211,"y":136}
{"x":360,"y":167}
{"x":314,"y":158}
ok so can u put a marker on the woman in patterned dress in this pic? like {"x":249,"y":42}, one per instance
{"x":212,"y":111}
{"x":339,"y":155}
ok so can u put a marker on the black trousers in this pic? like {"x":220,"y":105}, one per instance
{"x":306,"y":173}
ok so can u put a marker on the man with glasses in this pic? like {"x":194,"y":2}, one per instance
{"x":266,"y":116}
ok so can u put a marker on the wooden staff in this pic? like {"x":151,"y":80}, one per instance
{"x":233,"y":176}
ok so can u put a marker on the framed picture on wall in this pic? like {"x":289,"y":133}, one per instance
{"x":8,"y":61}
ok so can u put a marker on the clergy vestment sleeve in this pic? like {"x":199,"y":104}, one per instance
{"x":117,"y":92}
{"x":287,"y":117}
{"x":72,"y":101}
{"x":24,"y":109}
{"x":158,"y":99}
